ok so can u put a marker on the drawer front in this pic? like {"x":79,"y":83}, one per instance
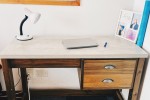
{"x":109,"y":66}
{"x":48,"y":63}
{"x":108,"y":81}
{"x":108,"y":74}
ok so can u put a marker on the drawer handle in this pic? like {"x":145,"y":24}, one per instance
{"x":109,"y":67}
{"x":108,"y":81}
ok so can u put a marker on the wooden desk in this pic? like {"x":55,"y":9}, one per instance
{"x":118,"y":66}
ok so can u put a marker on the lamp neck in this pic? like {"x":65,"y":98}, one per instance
{"x":21,"y":24}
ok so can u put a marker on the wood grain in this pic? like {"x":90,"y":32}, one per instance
{"x":92,"y":67}
{"x":8,"y":76}
{"x":45,"y":63}
{"x":43,"y":2}
{"x":134,"y":93}
{"x":0,"y":87}
{"x":95,"y":73}
{"x":0,"y":66}
{"x":0,"y":82}
{"x":120,"y":81}
{"x":24,"y":83}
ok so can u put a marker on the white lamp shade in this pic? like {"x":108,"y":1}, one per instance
{"x":34,"y":17}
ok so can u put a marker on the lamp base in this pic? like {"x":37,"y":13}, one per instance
{"x":24,"y":37}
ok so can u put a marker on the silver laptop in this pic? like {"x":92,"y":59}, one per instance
{"x":79,"y":43}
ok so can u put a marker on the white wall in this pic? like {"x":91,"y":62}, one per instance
{"x":146,"y":86}
{"x":93,"y":17}
{"x":138,"y":5}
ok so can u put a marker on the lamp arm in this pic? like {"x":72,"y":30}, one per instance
{"x":21,"y":24}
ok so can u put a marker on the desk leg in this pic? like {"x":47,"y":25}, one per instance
{"x":134,"y":93}
{"x":9,"y":81}
{"x":24,"y":83}
{"x":0,"y":87}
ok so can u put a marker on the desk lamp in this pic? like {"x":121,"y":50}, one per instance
{"x":34,"y":17}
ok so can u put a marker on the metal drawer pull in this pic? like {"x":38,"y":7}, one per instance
{"x":109,"y":67}
{"x":108,"y":81}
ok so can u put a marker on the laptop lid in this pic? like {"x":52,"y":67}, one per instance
{"x":79,"y":43}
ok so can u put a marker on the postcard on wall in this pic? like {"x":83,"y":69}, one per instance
{"x":128,"y":25}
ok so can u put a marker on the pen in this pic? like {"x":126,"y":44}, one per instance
{"x":105,"y":44}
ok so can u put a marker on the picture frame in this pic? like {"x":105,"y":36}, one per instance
{"x":128,"y":25}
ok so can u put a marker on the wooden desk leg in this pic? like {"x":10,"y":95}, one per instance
{"x":0,"y":87}
{"x":24,"y":83}
{"x":0,"y":82}
{"x":134,"y":93}
{"x":9,"y":81}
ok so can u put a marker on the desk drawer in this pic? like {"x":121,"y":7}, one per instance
{"x":108,"y":74}
{"x":109,"y":81}
{"x":47,"y":63}
{"x":109,"y":66}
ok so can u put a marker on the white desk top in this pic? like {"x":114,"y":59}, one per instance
{"x":50,"y":47}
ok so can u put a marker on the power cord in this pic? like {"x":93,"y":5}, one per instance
{"x":28,"y":79}
{"x":19,"y":78}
